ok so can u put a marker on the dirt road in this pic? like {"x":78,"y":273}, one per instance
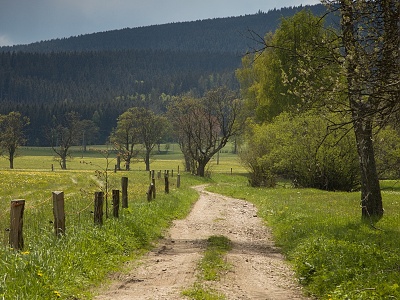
{"x":258,"y":272}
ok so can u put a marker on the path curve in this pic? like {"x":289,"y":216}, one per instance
{"x":259,"y":270}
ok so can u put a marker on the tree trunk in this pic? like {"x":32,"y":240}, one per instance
{"x":147,"y":160}
{"x":63,"y":163}
{"x":371,"y":198}
{"x":187,"y":163}
{"x":11,"y":158}
{"x":201,"y":169}
{"x":361,"y":107}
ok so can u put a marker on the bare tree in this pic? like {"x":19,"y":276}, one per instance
{"x":204,"y":126}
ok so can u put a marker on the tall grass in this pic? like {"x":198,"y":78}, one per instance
{"x":335,"y":255}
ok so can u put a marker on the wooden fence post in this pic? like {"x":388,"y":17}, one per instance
{"x":149,"y":192}
{"x":59,"y":213}
{"x":115,"y":195}
{"x":166,"y":183}
{"x":16,"y":224}
{"x":98,"y":208}
{"x":124,"y":183}
{"x":178,"y":181}
{"x":154,"y":188}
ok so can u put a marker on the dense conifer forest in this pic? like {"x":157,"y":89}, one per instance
{"x":100,"y":75}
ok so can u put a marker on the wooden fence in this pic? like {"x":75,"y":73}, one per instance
{"x":16,"y":239}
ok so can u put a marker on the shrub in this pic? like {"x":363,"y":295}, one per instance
{"x":302,"y":149}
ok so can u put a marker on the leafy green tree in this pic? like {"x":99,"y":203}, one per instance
{"x":136,"y":126}
{"x":11,"y":134}
{"x":65,"y":133}
{"x":269,"y":76}
{"x":151,"y":128}
{"x":125,"y":136}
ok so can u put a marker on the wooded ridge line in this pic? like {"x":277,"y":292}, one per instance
{"x":101,"y":75}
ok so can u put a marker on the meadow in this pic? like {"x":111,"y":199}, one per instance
{"x":70,"y":267}
{"x":334,"y":254}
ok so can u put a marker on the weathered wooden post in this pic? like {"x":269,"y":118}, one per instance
{"x":159,"y":174}
{"x":115,"y":195}
{"x":16,"y":224}
{"x":172,"y":173}
{"x":124,"y":183}
{"x":149,"y":192}
{"x":154,"y":188}
{"x":98,"y":208}
{"x":166,"y":183}
{"x":178,"y":181}
{"x":59,"y":213}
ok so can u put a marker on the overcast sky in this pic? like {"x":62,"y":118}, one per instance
{"x":27,"y":21}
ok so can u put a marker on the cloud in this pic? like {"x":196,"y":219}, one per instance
{"x":5,"y":41}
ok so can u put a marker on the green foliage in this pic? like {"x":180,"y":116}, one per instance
{"x":387,"y":153}
{"x":12,"y":134}
{"x":335,"y":255}
{"x":301,"y":148}
{"x":269,"y":80}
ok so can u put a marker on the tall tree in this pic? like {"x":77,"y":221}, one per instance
{"x":125,"y":137}
{"x":65,"y":133}
{"x":371,"y":63}
{"x":354,"y":73}
{"x":207,"y":125}
{"x":11,"y":134}
{"x":151,"y":130}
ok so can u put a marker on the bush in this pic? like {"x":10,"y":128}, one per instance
{"x":302,"y":149}
{"x":387,"y":153}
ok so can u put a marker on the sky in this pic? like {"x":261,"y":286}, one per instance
{"x":28,"y":21}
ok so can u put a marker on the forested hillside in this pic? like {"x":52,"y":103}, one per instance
{"x":100,"y":75}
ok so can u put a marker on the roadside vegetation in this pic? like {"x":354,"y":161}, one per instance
{"x":334,"y":253}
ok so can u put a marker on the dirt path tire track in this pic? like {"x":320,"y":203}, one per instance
{"x":259,"y":270}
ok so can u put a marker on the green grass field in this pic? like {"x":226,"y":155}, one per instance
{"x":335,"y":255}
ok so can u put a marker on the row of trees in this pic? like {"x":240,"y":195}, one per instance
{"x":202,"y":127}
{"x":348,"y":82}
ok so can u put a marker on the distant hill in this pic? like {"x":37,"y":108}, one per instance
{"x":211,"y":35}
{"x":100,"y":75}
